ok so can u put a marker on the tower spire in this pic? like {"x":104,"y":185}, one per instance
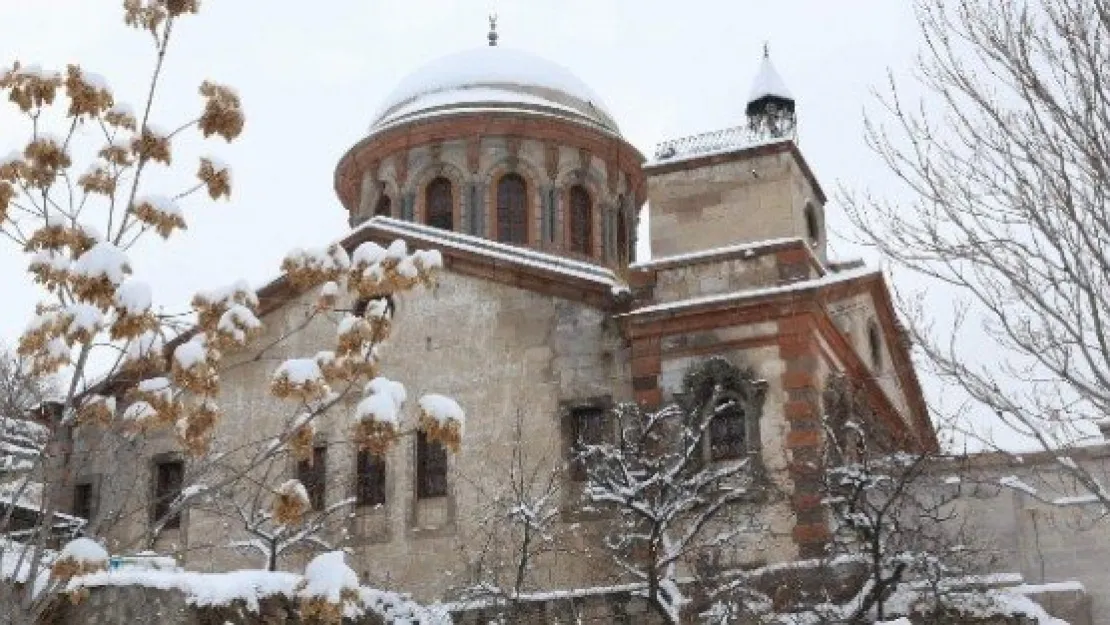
{"x":770,"y":106}
{"x":492,"y":36}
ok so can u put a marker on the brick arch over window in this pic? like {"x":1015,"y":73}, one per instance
{"x":512,"y":209}
{"x":581,"y":215}
{"x":439,"y":203}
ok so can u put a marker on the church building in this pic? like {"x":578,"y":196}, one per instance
{"x":543,"y":318}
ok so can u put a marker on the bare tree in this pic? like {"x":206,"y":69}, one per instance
{"x":891,"y":512}
{"x":1007,"y":165}
{"x":660,"y":486}
{"x":519,"y":527}
{"x":77,"y":196}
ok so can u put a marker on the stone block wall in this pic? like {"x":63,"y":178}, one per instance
{"x":756,"y":194}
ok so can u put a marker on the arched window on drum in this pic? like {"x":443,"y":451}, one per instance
{"x":439,"y":204}
{"x":581,"y":220}
{"x":512,"y":209}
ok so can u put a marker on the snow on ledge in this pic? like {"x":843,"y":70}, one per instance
{"x":744,"y":250}
{"x":449,"y":239}
{"x":739,"y":296}
{"x":250,"y":587}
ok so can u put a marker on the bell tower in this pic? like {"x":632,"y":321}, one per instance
{"x":744,"y":184}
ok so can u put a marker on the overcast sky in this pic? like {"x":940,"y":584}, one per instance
{"x":311,"y":75}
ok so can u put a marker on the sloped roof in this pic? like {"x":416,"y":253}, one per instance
{"x":768,"y":82}
{"x":812,"y":294}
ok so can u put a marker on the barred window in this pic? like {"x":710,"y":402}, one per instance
{"x":313,"y":475}
{"x":439,"y":204}
{"x":587,"y":427}
{"x":431,"y":467}
{"x":581,"y":220}
{"x":169,"y":477}
{"x":727,"y":431}
{"x":512,"y":209}
{"x":370,"y":479}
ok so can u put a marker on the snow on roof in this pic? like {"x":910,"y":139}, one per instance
{"x":518,"y":255}
{"x":712,"y":143}
{"x":768,"y":82}
{"x":523,"y":75}
{"x":742,"y":249}
{"x":482,"y":96}
{"x":738,"y":296}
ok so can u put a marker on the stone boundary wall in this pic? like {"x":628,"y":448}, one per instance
{"x":139,"y":605}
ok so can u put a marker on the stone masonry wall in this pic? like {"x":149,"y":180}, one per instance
{"x":741,"y":200}
{"x":510,"y":357}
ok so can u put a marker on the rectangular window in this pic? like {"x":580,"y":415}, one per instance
{"x":83,"y":500}
{"x":431,"y":468}
{"x":370,"y":479}
{"x":169,"y":477}
{"x":587,"y":427}
{"x":727,"y":432}
{"x":314,"y":476}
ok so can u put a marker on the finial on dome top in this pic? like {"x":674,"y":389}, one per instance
{"x":492,"y":36}
{"x":770,"y":106}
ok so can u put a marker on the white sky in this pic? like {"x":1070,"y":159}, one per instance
{"x":312,"y":74}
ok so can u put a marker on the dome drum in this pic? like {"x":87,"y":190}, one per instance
{"x":502,"y":145}
{"x":575,"y":197}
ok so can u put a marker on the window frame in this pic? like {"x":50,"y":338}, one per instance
{"x":577,"y":468}
{"x":580,"y":209}
{"x":439,"y":210}
{"x":370,"y":479}
{"x":737,"y":421}
{"x":76,"y":510}
{"x":511,"y":210}
{"x":164,"y":493}
{"x":430,"y":456}
{"x":812,"y":222}
{"x":314,"y":476}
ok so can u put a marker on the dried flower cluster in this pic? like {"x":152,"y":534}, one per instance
{"x":80,"y":556}
{"x":29,"y":87}
{"x":88,"y":93}
{"x":303,"y":438}
{"x":152,"y":144}
{"x":291,"y":502}
{"x":147,"y":15}
{"x":160,"y":213}
{"x":329,"y":587}
{"x":96,"y":409}
{"x":216,"y":178}
{"x":223,"y":114}
{"x":441,"y":419}
{"x":373,"y":275}
{"x":98,"y":180}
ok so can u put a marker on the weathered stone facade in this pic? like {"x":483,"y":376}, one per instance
{"x":520,"y":334}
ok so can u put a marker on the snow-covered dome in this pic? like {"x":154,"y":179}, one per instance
{"x":488,"y":79}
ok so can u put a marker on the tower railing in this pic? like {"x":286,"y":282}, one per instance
{"x":727,"y":139}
